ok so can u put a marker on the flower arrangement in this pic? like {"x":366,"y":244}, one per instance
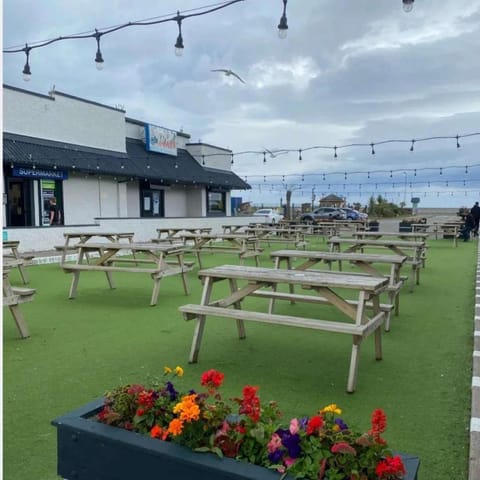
{"x":321,"y":446}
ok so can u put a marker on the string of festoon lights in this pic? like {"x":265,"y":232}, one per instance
{"x":99,"y":33}
{"x":267,"y":154}
{"x":178,"y":18}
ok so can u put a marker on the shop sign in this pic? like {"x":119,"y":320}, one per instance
{"x":161,"y":140}
{"x":39,"y":173}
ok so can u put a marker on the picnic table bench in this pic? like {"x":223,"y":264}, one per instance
{"x":10,"y":252}
{"x":83,"y":237}
{"x":244,"y":245}
{"x":415,"y":236}
{"x":157,"y":257}
{"x":398,"y":247}
{"x":331,"y":288}
{"x":367,"y":263}
{"x":14,"y":296}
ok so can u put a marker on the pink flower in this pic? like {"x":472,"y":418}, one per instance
{"x":289,"y":461}
{"x":343,"y":447}
{"x":274,"y":444}
{"x":294,"y":426}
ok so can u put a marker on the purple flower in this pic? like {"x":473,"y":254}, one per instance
{"x":341,"y":425}
{"x":290,"y":442}
{"x":276,"y":456}
{"x":171,"y":391}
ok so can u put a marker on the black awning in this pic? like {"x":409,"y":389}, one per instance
{"x":20,"y":150}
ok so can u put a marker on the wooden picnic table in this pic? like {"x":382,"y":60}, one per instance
{"x":83,"y":237}
{"x":448,"y":229}
{"x":368,"y":263}
{"x":416,"y":236}
{"x":157,"y":263}
{"x":283,"y":235}
{"x":14,"y":296}
{"x":398,"y":247}
{"x":174,"y":235}
{"x":330,"y":287}
{"x":244,"y":245}
{"x":10,"y":252}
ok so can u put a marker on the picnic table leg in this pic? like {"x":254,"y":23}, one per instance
{"x":183,"y":274}
{"x":111,"y":284}
{"x":354,"y":358}
{"x":74,"y":285}
{"x":237,"y":306}
{"x":23,"y":273}
{"x":155,"y":291}
{"x":19,"y":320}
{"x":197,"y":336}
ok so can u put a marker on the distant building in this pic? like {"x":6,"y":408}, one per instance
{"x":99,"y":163}
{"x":332,"y":201}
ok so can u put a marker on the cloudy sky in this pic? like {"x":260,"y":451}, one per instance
{"x":349,"y":72}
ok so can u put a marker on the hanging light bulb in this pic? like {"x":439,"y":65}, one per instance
{"x":335,"y":152}
{"x":27,"y":74}
{"x":413,"y":143}
{"x":98,"y":57}
{"x":300,"y":155}
{"x":407,"y":5}
{"x":373,"y":149}
{"x":458,"y":144}
{"x":283,"y":26}
{"x":203,"y":159}
{"x":231,"y":161}
{"x":179,"y":42}
{"x":264,"y":158}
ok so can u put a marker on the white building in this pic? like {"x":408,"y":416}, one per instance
{"x":100,"y":164}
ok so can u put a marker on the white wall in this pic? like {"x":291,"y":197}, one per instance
{"x":175,"y":202}
{"x":221,"y":160}
{"x":133,"y":199}
{"x":196,"y":204}
{"x":43,"y":239}
{"x":108,"y":194}
{"x":63,"y":119}
{"x":81,"y":200}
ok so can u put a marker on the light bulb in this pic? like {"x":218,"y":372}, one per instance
{"x":282,"y":33}
{"x":27,"y":76}
{"x":178,"y":51}
{"x":407,"y":5}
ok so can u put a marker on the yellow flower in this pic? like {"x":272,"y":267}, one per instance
{"x":331,"y":408}
{"x":167,"y":370}
{"x":179,"y":371}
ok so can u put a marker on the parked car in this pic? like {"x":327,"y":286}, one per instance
{"x":269,"y":215}
{"x":324,"y":213}
{"x":353,"y":214}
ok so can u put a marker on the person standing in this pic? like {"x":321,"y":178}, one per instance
{"x":55,"y":215}
{"x":475,"y":211}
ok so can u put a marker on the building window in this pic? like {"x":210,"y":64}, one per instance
{"x":216,"y":203}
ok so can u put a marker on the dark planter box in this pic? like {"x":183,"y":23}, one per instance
{"x":373,"y":226}
{"x":88,"y":450}
{"x":404,"y":227}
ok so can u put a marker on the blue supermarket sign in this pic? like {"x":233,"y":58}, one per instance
{"x":40,"y":173}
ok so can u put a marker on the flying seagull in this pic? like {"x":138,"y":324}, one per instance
{"x":228,"y":73}
{"x":277,"y":152}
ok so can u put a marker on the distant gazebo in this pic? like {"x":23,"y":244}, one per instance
{"x":332,"y":201}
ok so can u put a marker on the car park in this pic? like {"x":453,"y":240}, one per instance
{"x":269,"y":215}
{"x":324,"y":214}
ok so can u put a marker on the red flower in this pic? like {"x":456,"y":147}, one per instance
{"x":212,"y":379}
{"x":250,"y":403}
{"x":379,"y":421}
{"x":146,"y":399}
{"x":314,"y":424}
{"x":390,"y":468}
{"x":140,"y":412}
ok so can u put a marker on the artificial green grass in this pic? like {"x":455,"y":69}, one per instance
{"x":80,"y":348}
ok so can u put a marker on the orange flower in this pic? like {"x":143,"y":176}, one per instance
{"x":187,"y":408}
{"x":158,"y":432}
{"x":175,"y":427}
